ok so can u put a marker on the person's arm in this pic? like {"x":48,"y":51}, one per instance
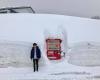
{"x":39,"y":51}
{"x":31,"y":54}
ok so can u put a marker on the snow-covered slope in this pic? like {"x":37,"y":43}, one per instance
{"x":33,"y":27}
{"x":85,"y":54}
{"x":19,"y":31}
{"x":17,"y":54}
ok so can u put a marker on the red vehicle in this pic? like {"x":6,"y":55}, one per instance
{"x":53,"y":49}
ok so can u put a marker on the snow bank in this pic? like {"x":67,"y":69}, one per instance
{"x":85,"y":54}
{"x":32,"y":27}
{"x":16,"y":54}
{"x":37,"y":27}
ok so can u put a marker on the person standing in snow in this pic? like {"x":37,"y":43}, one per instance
{"x":35,"y":56}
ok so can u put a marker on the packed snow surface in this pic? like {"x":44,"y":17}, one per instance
{"x":85,"y":54}
{"x":15,"y":64}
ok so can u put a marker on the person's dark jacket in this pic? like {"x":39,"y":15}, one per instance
{"x":38,"y":53}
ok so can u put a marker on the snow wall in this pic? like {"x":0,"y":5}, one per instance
{"x":85,"y":54}
{"x":28,"y":28}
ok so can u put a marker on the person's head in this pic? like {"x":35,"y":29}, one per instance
{"x":34,"y":44}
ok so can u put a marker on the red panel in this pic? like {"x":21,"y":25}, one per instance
{"x":53,"y":49}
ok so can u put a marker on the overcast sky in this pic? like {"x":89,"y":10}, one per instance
{"x":81,"y":8}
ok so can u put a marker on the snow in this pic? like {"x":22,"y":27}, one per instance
{"x":85,"y":54}
{"x":60,"y":71}
{"x":35,"y":25}
{"x":20,"y":66}
{"x":19,"y":31}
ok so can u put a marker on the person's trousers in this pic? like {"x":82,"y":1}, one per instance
{"x":35,"y":64}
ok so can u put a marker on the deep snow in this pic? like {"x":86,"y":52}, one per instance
{"x":85,"y":54}
{"x":16,"y":65}
{"x":19,"y":31}
{"x":54,"y":71}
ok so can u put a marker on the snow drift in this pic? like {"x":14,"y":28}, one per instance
{"x":16,"y":54}
{"x":85,"y":54}
{"x":31,"y":28}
